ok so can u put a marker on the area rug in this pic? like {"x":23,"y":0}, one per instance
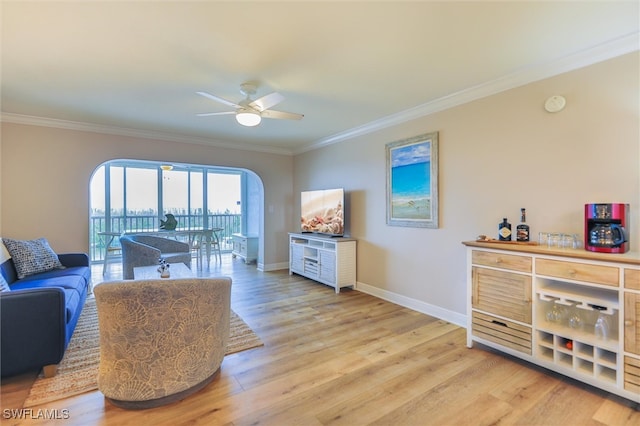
{"x":77,"y":372}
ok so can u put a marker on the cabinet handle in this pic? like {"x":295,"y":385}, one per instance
{"x":571,"y":272}
{"x":499,"y":323}
{"x":628,"y":323}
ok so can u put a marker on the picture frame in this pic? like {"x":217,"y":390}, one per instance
{"x":412,"y":181}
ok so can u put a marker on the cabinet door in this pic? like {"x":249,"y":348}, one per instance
{"x":502,"y":293}
{"x":236,"y":244}
{"x":327,"y":260}
{"x":297,"y":261}
{"x":632,"y":323}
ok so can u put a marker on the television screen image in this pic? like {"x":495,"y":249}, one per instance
{"x":322,"y":211}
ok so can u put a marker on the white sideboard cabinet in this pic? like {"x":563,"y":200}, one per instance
{"x":571,"y":311}
{"x":329,"y":260}
{"x":245,"y":246}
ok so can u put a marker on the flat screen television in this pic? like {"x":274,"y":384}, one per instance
{"x":322,"y":211}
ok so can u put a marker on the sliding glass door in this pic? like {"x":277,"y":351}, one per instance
{"x":133,"y":196}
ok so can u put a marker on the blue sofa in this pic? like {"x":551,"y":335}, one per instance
{"x":39,"y":314}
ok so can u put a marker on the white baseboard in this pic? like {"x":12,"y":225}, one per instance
{"x":416,"y":305}
{"x":272,"y":266}
{"x":407,"y":302}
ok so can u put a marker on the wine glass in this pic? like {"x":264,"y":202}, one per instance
{"x":575,"y":320}
{"x":601,"y":327}
{"x":556,"y":314}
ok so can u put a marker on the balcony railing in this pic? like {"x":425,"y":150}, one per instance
{"x":229,"y":223}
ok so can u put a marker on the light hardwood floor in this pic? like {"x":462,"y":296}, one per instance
{"x":350,"y":359}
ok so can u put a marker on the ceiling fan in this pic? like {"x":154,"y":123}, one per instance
{"x":249,"y":112}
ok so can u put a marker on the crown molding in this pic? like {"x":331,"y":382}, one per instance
{"x":599,"y":53}
{"x":7,"y":117}
{"x":602,"y":52}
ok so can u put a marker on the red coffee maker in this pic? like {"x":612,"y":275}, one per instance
{"x":606,"y":227}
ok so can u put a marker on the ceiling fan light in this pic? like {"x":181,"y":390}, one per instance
{"x":248,"y":118}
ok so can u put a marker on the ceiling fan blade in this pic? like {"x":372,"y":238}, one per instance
{"x":207,"y":114}
{"x":267,"y":101}
{"x":218,"y":99}
{"x":282,"y":114}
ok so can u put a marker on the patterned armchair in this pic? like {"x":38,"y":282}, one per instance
{"x":146,"y":250}
{"x":160,"y":340}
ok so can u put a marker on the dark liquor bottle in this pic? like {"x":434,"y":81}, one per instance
{"x":504,"y":230}
{"x":522,"y":230}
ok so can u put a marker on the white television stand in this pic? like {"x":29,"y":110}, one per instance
{"x":328,"y":260}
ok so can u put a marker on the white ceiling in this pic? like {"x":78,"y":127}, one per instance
{"x":350,"y":67}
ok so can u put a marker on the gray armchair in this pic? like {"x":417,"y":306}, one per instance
{"x":146,"y":250}
{"x":161,"y":340}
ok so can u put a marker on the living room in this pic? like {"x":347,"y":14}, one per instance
{"x":497,"y":154}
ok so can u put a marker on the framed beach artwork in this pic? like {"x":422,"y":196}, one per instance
{"x":412,"y":181}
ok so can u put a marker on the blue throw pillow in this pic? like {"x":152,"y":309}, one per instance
{"x":32,"y":257}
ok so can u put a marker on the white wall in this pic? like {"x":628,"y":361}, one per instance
{"x":497,"y":155}
{"x":45,"y":174}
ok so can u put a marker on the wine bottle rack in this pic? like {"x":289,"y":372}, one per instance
{"x":577,"y":357}
{"x":574,"y":345}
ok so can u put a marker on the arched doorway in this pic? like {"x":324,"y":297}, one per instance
{"x":134,"y":196}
